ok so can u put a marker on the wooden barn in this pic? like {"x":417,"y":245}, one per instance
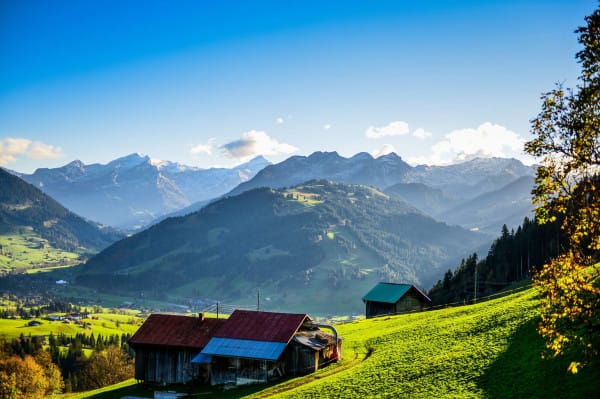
{"x":391,"y":298}
{"x":252,"y":347}
{"x":165,"y":345}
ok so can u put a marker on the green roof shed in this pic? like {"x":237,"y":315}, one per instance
{"x":392,"y":298}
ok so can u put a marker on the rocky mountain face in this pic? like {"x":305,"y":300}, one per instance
{"x":132,"y":191}
{"x":362,"y":168}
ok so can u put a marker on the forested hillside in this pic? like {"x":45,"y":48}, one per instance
{"x":514,"y":256}
{"x":319,"y":245}
{"x":33,"y":219}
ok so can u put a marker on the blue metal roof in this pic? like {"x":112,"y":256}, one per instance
{"x":202,"y":358}
{"x":249,"y":349}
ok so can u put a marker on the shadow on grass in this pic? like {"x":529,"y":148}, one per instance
{"x":520,"y":372}
{"x":198,"y":391}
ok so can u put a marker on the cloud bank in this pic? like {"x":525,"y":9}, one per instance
{"x":204,"y":149}
{"x":486,"y":141}
{"x":395,"y":128}
{"x":254,"y":143}
{"x":10,"y":148}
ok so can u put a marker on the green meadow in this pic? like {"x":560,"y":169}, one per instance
{"x":27,"y":251}
{"x":106,"y":324}
{"x":487,"y":350}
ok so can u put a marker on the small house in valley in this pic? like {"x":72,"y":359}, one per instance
{"x":165,"y":345}
{"x":253,"y":347}
{"x":391,"y":298}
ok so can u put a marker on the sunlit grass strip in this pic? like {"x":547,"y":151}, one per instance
{"x":87,"y":394}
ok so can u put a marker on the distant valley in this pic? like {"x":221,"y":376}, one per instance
{"x":321,"y":226}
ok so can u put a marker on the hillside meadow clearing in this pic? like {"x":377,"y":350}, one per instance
{"x":27,"y":251}
{"x":487,"y":350}
{"x":105,"y":324}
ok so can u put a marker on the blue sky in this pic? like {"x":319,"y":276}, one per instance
{"x":208,"y":84}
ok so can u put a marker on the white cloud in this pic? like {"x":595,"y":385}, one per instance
{"x":279,"y":120}
{"x":326,"y":126}
{"x":421,"y":133}
{"x":12,"y":147}
{"x":207,"y":148}
{"x":39,"y":150}
{"x":396,"y":128}
{"x":255,"y":143}
{"x":386,"y":149}
{"x":486,"y":141}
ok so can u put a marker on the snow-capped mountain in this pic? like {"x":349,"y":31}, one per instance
{"x":435,"y":190}
{"x":362,"y":168}
{"x":131,"y":191}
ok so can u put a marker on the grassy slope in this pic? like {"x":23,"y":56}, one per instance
{"x":106,"y":324}
{"x":28,"y":251}
{"x":488,"y":350}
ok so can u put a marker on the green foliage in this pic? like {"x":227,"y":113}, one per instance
{"x":512,"y":257}
{"x":567,"y":136}
{"x":570,"y":312}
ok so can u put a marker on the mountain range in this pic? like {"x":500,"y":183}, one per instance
{"x":131,"y":192}
{"x":321,"y":224}
{"x":135,"y":191}
{"x":480,"y":194}
{"x":315,"y":243}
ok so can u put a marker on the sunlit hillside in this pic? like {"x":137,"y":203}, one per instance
{"x":487,"y":350}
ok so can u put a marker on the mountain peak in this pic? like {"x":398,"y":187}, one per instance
{"x":256,"y":161}
{"x":362,"y":156}
{"x":320,"y":155}
{"x":130,"y":160}
{"x":75,"y":168}
{"x":391,"y":155}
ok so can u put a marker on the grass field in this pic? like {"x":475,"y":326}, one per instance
{"x":106,"y":324}
{"x":488,"y":350}
{"x":27,"y":251}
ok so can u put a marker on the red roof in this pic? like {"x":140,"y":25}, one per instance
{"x":173,"y":330}
{"x":261,"y":326}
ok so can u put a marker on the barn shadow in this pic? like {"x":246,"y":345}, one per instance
{"x":520,"y":372}
{"x":147,"y":391}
